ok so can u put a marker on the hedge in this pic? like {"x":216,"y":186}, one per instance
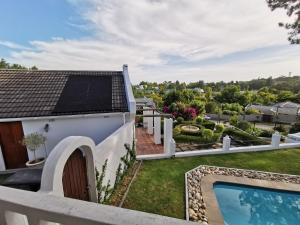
{"x":244,"y":138}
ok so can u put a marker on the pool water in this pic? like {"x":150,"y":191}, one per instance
{"x":245,"y":205}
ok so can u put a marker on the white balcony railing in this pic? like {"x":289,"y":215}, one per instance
{"x":41,"y":209}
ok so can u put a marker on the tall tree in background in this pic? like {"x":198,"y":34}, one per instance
{"x":293,"y":10}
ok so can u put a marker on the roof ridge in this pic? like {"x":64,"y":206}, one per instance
{"x":29,"y":70}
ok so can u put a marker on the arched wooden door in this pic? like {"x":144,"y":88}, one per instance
{"x":75,"y":181}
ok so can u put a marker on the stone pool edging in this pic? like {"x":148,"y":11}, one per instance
{"x":196,"y":206}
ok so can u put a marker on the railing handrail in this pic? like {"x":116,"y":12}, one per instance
{"x":45,"y":207}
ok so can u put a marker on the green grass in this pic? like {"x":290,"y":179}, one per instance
{"x":159,"y":187}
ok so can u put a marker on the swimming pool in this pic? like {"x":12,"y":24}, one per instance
{"x":246,"y":205}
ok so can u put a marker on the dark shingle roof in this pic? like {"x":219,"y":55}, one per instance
{"x":47,"y":93}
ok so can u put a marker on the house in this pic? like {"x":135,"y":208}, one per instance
{"x":285,"y":112}
{"x":59,"y":104}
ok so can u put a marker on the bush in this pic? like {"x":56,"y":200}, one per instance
{"x":233,"y":120}
{"x":180,"y":120}
{"x":266,"y":133}
{"x":176,"y":130}
{"x":209,"y":124}
{"x":216,"y":137}
{"x":219,"y":128}
{"x":244,"y":125}
{"x":207,"y":134}
{"x":182,"y":138}
{"x":229,"y":112}
{"x":199,"y":119}
{"x":234,"y":107}
{"x":281,"y":129}
{"x":198,"y":105}
{"x":244,"y":138}
{"x":250,"y":111}
{"x":211,"y":107}
{"x":189,"y":113}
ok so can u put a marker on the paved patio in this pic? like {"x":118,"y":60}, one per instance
{"x":145,"y":144}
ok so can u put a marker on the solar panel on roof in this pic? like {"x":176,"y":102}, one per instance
{"x":86,"y":94}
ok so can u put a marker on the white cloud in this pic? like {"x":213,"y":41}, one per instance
{"x":13,"y":45}
{"x":141,"y":32}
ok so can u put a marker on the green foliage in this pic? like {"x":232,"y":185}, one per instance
{"x":207,"y":134}
{"x":209,"y":124}
{"x":285,"y":96}
{"x":244,"y":138}
{"x":292,"y":8}
{"x":99,"y":183}
{"x":6,"y":65}
{"x":265,"y":133}
{"x":234,"y":107}
{"x":230,"y":113}
{"x":212,"y":107}
{"x":180,"y":120}
{"x":244,"y":125}
{"x":105,"y":191}
{"x":232,"y":94}
{"x":250,"y":111}
{"x":199,"y":120}
{"x":219,"y":128}
{"x":234,"y":120}
{"x":33,"y":141}
{"x":199,"y":106}
{"x":280,"y":129}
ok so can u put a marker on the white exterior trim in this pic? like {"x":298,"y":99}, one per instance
{"x":51,"y":182}
{"x":129,"y":93}
{"x":63,"y":117}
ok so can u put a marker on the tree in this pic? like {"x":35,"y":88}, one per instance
{"x":6,"y":65}
{"x":293,"y":10}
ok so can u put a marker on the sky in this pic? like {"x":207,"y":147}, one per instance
{"x":185,"y":40}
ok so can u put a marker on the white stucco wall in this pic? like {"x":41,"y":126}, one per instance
{"x":112,"y":149}
{"x":96,"y":127}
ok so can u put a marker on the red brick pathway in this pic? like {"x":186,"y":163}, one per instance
{"x":145,"y":144}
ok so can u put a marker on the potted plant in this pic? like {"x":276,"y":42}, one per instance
{"x":33,"y":142}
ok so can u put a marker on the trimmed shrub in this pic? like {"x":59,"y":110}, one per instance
{"x":209,"y":124}
{"x":229,"y":112}
{"x":219,"y":128}
{"x":216,"y":137}
{"x":199,"y":119}
{"x":180,"y":120}
{"x":244,"y":138}
{"x":207,"y":134}
{"x":233,"y":120}
{"x":244,"y":125}
{"x":266,"y":133}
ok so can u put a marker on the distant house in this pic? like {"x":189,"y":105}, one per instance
{"x":140,"y":102}
{"x":199,"y":90}
{"x":58,"y":104}
{"x":287,"y":112}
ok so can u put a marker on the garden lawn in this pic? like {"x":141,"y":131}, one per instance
{"x":159,"y":187}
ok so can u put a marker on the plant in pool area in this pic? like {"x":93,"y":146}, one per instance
{"x":33,"y":141}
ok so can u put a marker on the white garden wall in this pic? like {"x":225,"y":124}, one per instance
{"x":112,"y":149}
{"x":96,"y":127}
